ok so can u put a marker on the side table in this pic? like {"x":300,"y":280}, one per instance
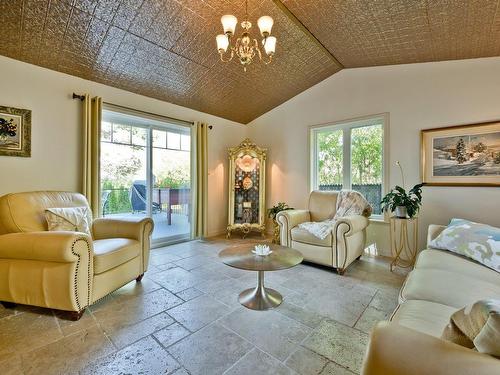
{"x":403,"y":250}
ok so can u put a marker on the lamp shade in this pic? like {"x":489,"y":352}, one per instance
{"x":222,"y":42}
{"x":229,"y":23}
{"x":265,"y":24}
{"x":270,"y":45}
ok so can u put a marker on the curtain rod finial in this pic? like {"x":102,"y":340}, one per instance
{"x":76,"y":96}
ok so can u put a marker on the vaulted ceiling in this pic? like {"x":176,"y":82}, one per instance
{"x":165,"y":49}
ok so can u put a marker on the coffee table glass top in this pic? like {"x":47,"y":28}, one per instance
{"x":241,"y":257}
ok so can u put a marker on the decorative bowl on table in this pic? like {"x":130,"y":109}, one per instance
{"x":262,"y":250}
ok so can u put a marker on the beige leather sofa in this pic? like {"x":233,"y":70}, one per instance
{"x":340,"y":248}
{"x":65,"y":270}
{"x":440,"y":284}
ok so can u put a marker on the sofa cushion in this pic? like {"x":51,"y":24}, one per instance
{"x":447,"y":261}
{"x":72,"y":219}
{"x":302,"y":235}
{"x":448,"y":288}
{"x":110,"y":253}
{"x":322,"y":205}
{"x":423,"y":316}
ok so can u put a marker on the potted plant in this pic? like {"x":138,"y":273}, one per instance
{"x":272,"y":212}
{"x":404,"y":204}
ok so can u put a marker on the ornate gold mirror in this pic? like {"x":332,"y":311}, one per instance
{"x":247,"y":173}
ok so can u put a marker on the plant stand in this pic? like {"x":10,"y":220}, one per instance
{"x":403,"y":250}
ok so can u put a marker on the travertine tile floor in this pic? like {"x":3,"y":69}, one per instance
{"x":184,"y":318}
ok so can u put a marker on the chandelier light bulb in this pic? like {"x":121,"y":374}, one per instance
{"x":265,"y":24}
{"x":270,"y":45}
{"x":222,"y":43}
{"x":229,"y":23}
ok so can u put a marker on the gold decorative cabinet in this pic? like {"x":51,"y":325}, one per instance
{"x":247,"y":188}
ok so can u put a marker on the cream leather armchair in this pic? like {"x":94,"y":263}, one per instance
{"x":340,"y":248}
{"x":65,"y":270}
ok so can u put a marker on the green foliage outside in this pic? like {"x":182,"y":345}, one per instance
{"x":366,"y":156}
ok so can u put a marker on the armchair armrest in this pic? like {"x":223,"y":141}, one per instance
{"x":134,"y":228}
{"x":397,"y":350}
{"x":289,"y":219}
{"x":349,"y":225}
{"x":43,"y":246}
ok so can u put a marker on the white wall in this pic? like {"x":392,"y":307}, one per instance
{"x":56,"y":132}
{"x":417,"y":96}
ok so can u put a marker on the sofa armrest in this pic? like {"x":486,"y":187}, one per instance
{"x":138,"y":229}
{"x":397,"y":350}
{"x":349,"y":225}
{"x":289,"y":219}
{"x":434,"y":231}
{"x":44,"y":246}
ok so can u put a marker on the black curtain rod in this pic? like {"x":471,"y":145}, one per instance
{"x":81,"y":97}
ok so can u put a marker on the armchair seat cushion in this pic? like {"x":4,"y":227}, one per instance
{"x":110,"y":253}
{"x":302,"y":235}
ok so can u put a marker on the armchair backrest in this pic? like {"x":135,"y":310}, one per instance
{"x":322,"y":204}
{"x":25,"y":212}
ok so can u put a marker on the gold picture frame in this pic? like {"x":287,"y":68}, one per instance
{"x":462,"y":155}
{"x":15,"y":132}
{"x":247,"y":188}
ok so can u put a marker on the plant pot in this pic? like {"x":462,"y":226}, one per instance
{"x":401,"y":212}
{"x":276,"y":236}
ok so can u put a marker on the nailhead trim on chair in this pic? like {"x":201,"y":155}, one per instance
{"x":337,"y":247}
{"x":75,"y":280}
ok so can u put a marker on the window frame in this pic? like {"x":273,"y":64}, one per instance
{"x":346,"y":126}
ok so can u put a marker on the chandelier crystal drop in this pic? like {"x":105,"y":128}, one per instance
{"x":245,"y":47}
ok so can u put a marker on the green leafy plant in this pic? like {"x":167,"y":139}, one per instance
{"x":273,"y":211}
{"x":398,"y":197}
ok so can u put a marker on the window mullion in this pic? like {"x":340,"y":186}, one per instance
{"x":346,"y":157}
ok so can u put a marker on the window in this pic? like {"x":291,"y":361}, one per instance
{"x":351,"y":155}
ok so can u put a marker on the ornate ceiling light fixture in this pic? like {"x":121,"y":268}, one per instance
{"x":245,"y":47}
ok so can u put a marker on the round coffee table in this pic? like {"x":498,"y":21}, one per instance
{"x":260,"y":298}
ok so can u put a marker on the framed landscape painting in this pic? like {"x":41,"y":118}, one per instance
{"x":465,"y":155}
{"x":15,"y":132}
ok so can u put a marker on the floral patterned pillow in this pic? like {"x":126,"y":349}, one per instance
{"x":479,"y":242}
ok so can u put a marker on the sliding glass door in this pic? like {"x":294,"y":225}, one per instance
{"x":146,"y":171}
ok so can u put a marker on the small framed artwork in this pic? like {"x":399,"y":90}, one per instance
{"x":464,"y":155}
{"x":15,"y":132}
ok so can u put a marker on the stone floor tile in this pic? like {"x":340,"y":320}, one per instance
{"x":339,"y":343}
{"x":210,"y":351}
{"x":162,"y":257}
{"x":12,"y":365}
{"x":68,"y":326}
{"x":171,"y":334}
{"x":198,"y":312}
{"x":270,"y":331}
{"x":385,"y":301}
{"x":300,"y":314}
{"x":258,"y":362}
{"x":27,"y":331}
{"x":370,"y":317}
{"x":68,"y":355}
{"x":125,"y":335}
{"x":134,"y":288}
{"x":116,"y":314}
{"x":166,"y":266}
{"x":175,"y":279}
{"x":334,"y":369}
{"x":306,"y":362}
{"x":189,"y":294}
{"x":145,"y":357}
{"x":4,"y":312}
{"x":194,"y":262}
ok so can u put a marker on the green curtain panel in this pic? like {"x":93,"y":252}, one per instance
{"x":200,"y":206}
{"x":92,"y":112}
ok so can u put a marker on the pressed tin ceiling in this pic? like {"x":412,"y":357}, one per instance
{"x":166,"y":49}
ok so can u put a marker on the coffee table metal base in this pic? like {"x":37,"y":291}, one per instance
{"x":260,"y":298}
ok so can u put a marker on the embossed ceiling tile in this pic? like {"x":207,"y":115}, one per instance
{"x":11,"y":21}
{"x":126,"y":13}
{"x":106,"y":10}
{"x":76,"y":31}
{"x":145,"y":16}
{"x":95,"y":35}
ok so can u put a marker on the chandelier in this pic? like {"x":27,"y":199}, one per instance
{"x":245,"y":48}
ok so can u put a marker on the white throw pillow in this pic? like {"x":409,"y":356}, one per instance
{"x":72,"y":219}
{"x":476,"y":241}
